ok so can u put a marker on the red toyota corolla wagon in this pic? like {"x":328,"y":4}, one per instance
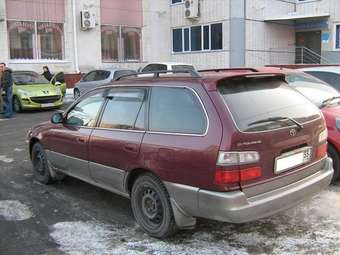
{"x":232,"y":146}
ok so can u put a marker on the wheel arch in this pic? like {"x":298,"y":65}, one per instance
{"x":132,"y":176}
{"x":33,"y":141}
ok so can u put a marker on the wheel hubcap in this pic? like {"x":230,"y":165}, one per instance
{"x":152,"y":206}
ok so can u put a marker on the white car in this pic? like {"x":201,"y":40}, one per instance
{"x":167,"y":66}
{"x":328,"y":74}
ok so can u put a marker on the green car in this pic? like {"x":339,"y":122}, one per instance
{"x":32,"y":91}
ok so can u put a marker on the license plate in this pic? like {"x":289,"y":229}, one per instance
{"x":47,"y":105}
{"x":292,"y":159}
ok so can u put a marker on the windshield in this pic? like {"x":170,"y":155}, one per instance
{"x":314,"y":89}
{"x":28,"y":78}
{"x":256,"y":100}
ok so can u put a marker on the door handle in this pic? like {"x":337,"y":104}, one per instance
{"x":130,"y":147}
{"x":81,"y":140}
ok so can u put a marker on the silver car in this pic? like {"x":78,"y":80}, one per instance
{"x":98,"y":78}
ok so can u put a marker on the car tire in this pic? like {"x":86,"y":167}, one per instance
{"x":76,"y":94}
{"x":151,"y":207}
{"x":42,"y":171}
{"x":17,"y":105}
{"x":334,"y":154}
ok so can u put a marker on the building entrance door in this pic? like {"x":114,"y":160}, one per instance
{"x":308,"y":47}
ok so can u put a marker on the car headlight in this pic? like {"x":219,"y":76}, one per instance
{"x":323,"y":136}
{"x":58,"y":91}
{"x":23,"y":93}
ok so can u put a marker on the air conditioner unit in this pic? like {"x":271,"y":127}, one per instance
{"x":88,"y":19}
{"x":192,"y":9}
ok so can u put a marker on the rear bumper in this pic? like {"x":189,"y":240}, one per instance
{"x":236,"y":207}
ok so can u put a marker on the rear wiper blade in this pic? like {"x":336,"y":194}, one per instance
{"x":275,"y":119}
{"x":327,"y":101}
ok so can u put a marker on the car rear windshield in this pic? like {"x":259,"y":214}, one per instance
{"x":28,"y":78}
{"x":254,"y":103}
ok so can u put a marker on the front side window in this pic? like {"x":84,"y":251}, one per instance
{"x":124,"y":109}
{"x":332,"y":79}
{"x":36,"y":40}
{"x":176,"y":110}
{"x":84,"y":114}
{"x":155,"y":67}
{"x":91,"y":76}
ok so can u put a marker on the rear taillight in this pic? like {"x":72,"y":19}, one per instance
{"x":323,"y":136}
{"x":234,"y":176}
{"x":321,"y":151}
{"x":236,"y":159}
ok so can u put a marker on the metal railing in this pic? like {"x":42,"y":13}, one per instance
{"x":304,"y":55}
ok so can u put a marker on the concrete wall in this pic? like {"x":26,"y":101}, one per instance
{"x":268,"y":43}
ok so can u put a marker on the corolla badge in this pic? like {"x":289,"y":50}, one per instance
{"x":292,"y":132}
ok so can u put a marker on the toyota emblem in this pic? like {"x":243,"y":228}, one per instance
{"x":292,"y":132}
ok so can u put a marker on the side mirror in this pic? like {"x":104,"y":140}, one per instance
{"x":57,"y":118}
{"x":57,"y":83}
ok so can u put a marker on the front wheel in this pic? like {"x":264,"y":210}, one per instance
{"x":42,"y":171}
{"x":334,"y":154}
{"x":17,"y":105}
{"x":151,"y":207}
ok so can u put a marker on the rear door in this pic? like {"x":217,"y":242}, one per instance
{"x":115,"y":144}
{"x":255,"y":105}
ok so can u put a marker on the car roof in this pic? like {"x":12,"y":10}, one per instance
{"x":114,"y":69}
{"x":333,"y":69}
{"x":169,"y":63}
{"x":210,"y":79}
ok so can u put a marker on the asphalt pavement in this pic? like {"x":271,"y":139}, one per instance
{"x":73,"y":217}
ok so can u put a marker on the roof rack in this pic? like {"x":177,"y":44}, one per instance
{"x":194,"y":74}
{"x":229,"y":69}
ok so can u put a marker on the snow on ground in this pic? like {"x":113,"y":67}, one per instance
{"x":310,"y":228}
{"x":5,"y":159}
{"x":13,"y":210}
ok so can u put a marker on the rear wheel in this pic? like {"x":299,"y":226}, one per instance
{"x":42,"y":171}
{"x":334,"y":154}
{"x":76,"y":94}
{"x":17,"y":105}
{"x":151,"y":207}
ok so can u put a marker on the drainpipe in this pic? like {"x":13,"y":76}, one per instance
{"x":237,"y":33}
{"x":75,"y":40}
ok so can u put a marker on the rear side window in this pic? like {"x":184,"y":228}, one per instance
{"x":176,"y":110}
{"x":332,"y":79}
{"x":123,"y":72}
{"x":124,"y":110}
{"x":155,"y":67}
{"x":253,"y":101}
{"x":182,"y":68}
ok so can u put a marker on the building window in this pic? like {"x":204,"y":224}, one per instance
{"x":176,"y":1}
{"x":120,"y":43}
{"x":36,"y":40}
{"x":337,"y":36}
{"x":198,"y":38}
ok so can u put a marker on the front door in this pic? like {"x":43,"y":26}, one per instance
{"x":308,"y":47}
{"x":67,"y":143}
{"x":114,"y":145}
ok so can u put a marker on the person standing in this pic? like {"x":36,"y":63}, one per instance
{"x":7,"y":85}
{"x":1,"y":98}
{"x":47,"y":74}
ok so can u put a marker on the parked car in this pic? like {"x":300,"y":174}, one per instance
{"x":33,"y":91}
{"x":97,"y":78}
{"x":328,"y":74}
{"x":232,"y":147}
{"x":328,"y":100}
{"x":167,"y":66}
